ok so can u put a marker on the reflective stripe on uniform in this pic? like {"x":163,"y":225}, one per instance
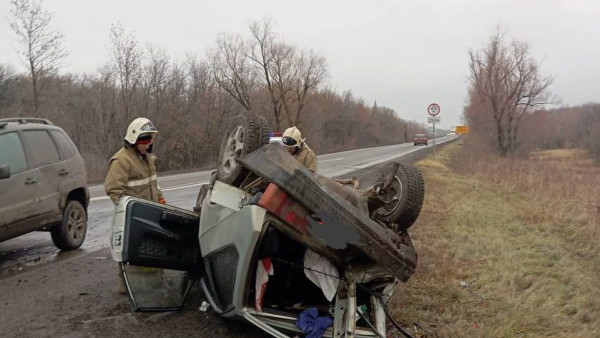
{"x":143,"y":181}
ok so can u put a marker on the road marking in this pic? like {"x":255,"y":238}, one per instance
{"x":167,"y":189}
{"x":333,"y":159}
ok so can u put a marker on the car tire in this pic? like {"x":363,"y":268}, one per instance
{"x":70,"y":234}
{"x":244,"y":134}
{"x":201,"y":196}
{"x":409,"y":189}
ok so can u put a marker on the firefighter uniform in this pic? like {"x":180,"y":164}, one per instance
{"x":132,"y":174}
{"x":306,"y":157}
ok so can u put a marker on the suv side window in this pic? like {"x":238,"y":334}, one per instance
{"x":65,"y":146}
{"x":12,"y":152}
{"x":41,"y":146}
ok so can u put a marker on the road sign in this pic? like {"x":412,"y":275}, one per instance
{"x":433,"y":119}
{"x":433,"y":109}
{"x":462,"y":129}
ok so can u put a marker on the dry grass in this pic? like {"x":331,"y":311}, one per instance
{"x":522,"y":234}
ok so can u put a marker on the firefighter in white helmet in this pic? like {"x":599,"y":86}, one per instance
{"x":132,"y":172}
{"x":293,"y":141}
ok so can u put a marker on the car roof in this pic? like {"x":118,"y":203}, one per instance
{"x":23,"y":123}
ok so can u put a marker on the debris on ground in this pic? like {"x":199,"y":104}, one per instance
{"x":204,"y":306}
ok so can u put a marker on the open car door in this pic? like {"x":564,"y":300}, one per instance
{"x":157,"y":250}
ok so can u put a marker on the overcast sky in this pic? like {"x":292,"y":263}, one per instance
{"x":402,"y":54}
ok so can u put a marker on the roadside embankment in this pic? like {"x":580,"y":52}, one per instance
{"x":506,"y":247}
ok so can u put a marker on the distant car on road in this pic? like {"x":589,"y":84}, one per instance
{"x":43,"y":182}
{"x":421,"y":139}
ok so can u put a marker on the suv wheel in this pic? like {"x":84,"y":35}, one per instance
{"x":71,"y":233}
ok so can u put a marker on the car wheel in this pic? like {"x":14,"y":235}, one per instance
{"x":408,"y":189}
{"x":201,"y":196}
{"x":71,"y":233}
{"x":245,"y":134}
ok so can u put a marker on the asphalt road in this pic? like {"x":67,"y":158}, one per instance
{"x":35,"y":249}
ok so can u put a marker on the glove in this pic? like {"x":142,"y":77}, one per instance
{"x":162,"y":201}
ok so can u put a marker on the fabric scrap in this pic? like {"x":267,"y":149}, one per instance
{"x":310,"y":322}
{"x":324,"y":274}
{"x":264,"y":269}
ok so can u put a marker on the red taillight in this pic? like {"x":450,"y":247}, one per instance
{"x":277,"y":134}
{"x":281,"y":205}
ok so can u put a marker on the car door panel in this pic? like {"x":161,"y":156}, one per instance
{"x":43,"y":154}
{"x":18,"y":212}
{"x":156,"y":246}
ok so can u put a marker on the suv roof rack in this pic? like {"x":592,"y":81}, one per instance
{"x":23,"y":120}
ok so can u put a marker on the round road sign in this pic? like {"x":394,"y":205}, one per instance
{"x":433,"y":109}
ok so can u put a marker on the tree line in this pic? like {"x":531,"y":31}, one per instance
{"x":189,"y":100}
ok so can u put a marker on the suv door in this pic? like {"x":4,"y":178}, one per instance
{"x":18,"y":203}
{"x":44,"y":156}
{"x":158,"y":252}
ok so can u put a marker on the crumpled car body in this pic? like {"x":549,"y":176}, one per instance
{"x":251,"y":248}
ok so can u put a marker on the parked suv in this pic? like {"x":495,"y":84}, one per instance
{"x":42,"y":182}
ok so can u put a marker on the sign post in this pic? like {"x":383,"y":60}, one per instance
{"x":433,"y":110}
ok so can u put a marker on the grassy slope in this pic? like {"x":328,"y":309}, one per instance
{"x":529,"y":272}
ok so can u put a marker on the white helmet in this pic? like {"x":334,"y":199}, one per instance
{"x":292,"y":137}
{"x":139,"y":126}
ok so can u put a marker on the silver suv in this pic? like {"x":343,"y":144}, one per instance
{"x":42,"y":182}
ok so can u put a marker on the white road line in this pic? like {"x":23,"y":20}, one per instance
{"x":167,"y":189}
{"x":333,"y":159}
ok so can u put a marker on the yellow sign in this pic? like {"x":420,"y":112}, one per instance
{"x":462,"y":129}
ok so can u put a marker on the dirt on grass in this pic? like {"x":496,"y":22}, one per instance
{"x":506,"y":248}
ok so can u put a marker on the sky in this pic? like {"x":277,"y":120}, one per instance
{"x":402,"y":54}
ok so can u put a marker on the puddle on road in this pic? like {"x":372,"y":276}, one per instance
{"x":27,"y":258}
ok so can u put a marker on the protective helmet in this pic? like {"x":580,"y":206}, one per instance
{"x":292,"y":137}
{"x":138,"y":127}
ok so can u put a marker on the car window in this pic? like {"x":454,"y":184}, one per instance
{"x":43,"y":150}
{"x":65,"y":146}
{"x":12,"y":152}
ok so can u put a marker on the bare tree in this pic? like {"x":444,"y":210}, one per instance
{"x":42,"y":46}
{"x":126,"y":56}
{"x":156,"y":78}
{"x":507,"y":82}
{"x":231,"y":69}
{"x":311,"y":72}
{"x":289,"y":76}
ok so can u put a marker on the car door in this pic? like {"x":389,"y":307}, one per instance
{"x":45,"y":157}
{"x":18,"y":203}
{"x":158,"y":252}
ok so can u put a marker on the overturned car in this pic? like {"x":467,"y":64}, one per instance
{"x":273,"y":243}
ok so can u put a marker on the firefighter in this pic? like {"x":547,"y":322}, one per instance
{"x":293,"y":141}
{"x":132,"y":171}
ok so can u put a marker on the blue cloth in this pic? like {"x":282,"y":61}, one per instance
{"x":310,"y":323}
